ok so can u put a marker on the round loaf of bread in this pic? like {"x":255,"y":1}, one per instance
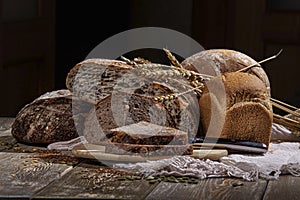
{"x":217,"y":61}
{"x":53,"y":117}
{"x":236,"y":105}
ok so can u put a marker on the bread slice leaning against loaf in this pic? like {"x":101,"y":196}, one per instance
{"x":120,"y":109}
{"x":236,"y":106}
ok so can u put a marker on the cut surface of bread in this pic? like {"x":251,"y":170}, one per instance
{"x":146,"y":133}
{"x":242,"y":112}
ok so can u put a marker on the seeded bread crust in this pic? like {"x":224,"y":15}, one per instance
{"x":53,"y":117}
{"x":245,"y":114}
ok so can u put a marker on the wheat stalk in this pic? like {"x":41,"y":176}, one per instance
{"x":172,"y":58}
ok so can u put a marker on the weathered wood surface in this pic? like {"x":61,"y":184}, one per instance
{"x":214,"y":188}
{"x":91,"y":181}
{"x":288,"y":187}
{"x":23,"y":176}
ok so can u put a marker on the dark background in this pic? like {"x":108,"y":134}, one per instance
{"x":41,"y":40}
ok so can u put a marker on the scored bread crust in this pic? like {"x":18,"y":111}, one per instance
{"x":246,"y":114}
{"x":95,"y":79}
{"x":217,"y":61}
{"x":54,"y":116}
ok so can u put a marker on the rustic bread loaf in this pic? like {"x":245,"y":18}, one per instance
{"x":149,"y":150}
{"x":52,"y":117}
{"x":120,"y":109}
{"x":95,"y":79}
{"x":236,"y":106}
{"x":145,"y":133}
{"x":217,"y":61}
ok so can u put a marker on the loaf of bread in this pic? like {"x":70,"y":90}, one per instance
{"x":145,"y":133}
{"x":217,"y":61}
{"x":236,"y":106}
{"x":95,"y":79}
{"x":53,"y":117}
{"x":120,"y":109}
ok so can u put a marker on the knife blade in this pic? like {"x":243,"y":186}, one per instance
{"x":233,"y":146}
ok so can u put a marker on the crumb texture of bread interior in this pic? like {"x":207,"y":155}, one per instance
{"x":242,"y":112}
{"x":146,"y":133}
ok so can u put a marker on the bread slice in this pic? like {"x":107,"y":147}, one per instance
{"x":149,"y":150}
{"x":218,"y":61}
{"x":145,"y":133}
{"x":237,"y":106}
{"x":55,"y":116}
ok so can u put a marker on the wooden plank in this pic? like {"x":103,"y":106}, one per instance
{"x":7,"y":142}
{"x":93,"y":181}
{"x":213,"y":188}
{"x":234,"y":189}
{"x":22,"y":176}
{"x":5,"y":123}
{"x":93,"y":151}
{"x":287,"y":187}
{"x":166,"y":190}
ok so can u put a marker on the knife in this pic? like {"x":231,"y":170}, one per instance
{"x":233,"y":146}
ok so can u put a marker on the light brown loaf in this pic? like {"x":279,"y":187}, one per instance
{"x":217,"y":61}
{"x":236,"y":106}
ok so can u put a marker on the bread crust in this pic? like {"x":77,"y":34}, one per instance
{"x":53,"y":117}
{"x":95,"y":79}
{"x":218,"y":61}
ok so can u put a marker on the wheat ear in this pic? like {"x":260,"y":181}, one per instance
{"x":172,"y":58}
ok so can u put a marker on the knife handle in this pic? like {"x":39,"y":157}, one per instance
{"x":212,"y":154}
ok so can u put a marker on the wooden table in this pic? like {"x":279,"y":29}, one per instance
{"x":25,"y":174}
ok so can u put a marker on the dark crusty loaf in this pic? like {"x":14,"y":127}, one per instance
{"x":95,"y":79}
{"x":218,"y":61}
{"x":149,"y":150}
{"x":146,"y":133}
{"x":120,"y":109}
{"x":52,"y":117}
{"x":237,"y":106}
